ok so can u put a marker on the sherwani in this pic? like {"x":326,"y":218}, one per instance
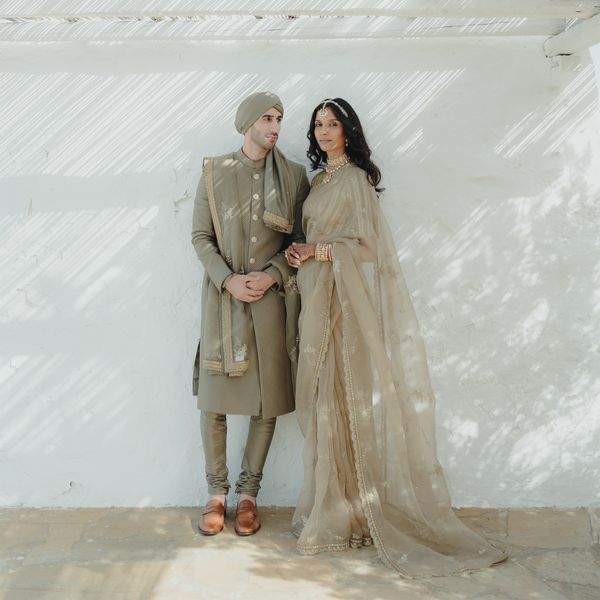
{"x":265,"y":386}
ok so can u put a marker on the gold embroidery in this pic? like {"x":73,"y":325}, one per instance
{"x":324,"y":339}
{"x":231,"y":367}
{"x":310,"y":550}
{"x":212,"y":365}
{"x":365,"y":496}
{"x":288,"y":185}
{"x":291,"y":285}
{"x":212,"y":205}
{"x":227,"y":330}
{"x":240,"y":351}
{"x":277,"y":222}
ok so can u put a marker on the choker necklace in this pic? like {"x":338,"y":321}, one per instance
{"x":335,"y":165}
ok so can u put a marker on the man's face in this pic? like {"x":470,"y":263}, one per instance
{"x":265,"y":130}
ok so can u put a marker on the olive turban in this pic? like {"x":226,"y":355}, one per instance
{"x":253,"y":106}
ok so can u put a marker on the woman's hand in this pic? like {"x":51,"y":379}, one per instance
{"x":296,"y":254}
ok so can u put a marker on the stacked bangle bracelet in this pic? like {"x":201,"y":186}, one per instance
{"x":323,"y":252}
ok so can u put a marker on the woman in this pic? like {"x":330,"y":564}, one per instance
{"x":363,"y":394}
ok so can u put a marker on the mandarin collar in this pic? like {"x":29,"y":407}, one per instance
{"x":253,"y":164}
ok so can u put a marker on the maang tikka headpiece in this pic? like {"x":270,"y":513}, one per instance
{"x":323,"y":111}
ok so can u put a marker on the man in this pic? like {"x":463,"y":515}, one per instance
{"x":248,"y":208}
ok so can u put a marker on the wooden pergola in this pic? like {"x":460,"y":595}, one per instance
{"x":569,"y":26}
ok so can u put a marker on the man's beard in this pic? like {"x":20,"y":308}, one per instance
{"x":260,"y":140}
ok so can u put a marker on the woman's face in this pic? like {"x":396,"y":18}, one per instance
{"x":329,"y":133}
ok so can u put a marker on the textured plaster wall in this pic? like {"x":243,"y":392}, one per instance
{"x":490,"y":156}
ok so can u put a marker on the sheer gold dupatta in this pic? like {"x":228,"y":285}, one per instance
{"x":365,"y":404}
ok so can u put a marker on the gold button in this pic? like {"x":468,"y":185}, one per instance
{"x":255,"y":196}
{"x":256,"y":176}
{"x":255,"y":217}
{"x":254,"y":239}
{"x":252,"y":261}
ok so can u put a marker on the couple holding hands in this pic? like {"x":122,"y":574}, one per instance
{"x":304,"y":307}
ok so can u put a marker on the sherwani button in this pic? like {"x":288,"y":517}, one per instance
{"x":255,"y":217}
{"x":256,"y":176}
{"x":252,"y":261}
{"x":255,"y":196}
{"x":254,"y":239}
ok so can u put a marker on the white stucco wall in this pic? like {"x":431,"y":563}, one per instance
{"x":490,"y":155}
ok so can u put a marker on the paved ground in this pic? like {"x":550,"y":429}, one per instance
{"x":156,"y":554}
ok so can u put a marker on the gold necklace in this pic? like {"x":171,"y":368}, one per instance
{"x":335,"y":165}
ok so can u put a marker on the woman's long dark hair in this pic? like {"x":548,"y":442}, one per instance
{"x":358,"y":150}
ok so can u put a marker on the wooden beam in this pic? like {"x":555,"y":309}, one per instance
{"x":278,"y":29}
{"x":575,"y":39}
{"x":69,"y":10}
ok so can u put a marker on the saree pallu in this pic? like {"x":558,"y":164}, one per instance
{"x":364,"y":400}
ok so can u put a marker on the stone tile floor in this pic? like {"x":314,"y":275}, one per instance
{"x":156,"y":554}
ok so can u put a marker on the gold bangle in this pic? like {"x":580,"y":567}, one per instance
{"x":319,"y":252}
{"x":323,"y":252}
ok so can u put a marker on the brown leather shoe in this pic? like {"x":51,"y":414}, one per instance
{"x":246,"y":518}
{"x":213,"y":518}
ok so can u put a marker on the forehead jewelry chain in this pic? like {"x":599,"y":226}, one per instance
{"x":323,"y":111}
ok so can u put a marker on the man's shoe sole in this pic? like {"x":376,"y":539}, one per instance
{"x":246,"y":534}
{"x":209,"y":532}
